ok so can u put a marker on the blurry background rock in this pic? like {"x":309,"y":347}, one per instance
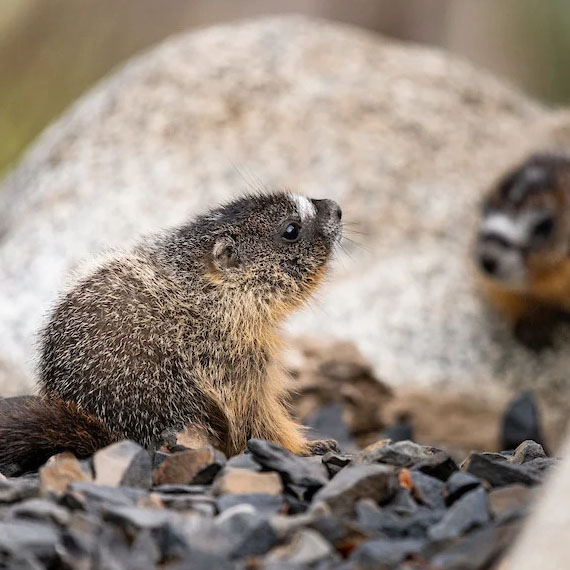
{"x":336,"y":394}
{"x":50,"y":52}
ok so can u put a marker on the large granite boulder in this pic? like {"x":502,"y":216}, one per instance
{"x":404,"y":137}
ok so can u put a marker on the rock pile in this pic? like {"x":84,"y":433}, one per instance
{"x":392,"y":505}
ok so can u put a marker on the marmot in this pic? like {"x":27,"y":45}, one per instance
{"x":523,"y":246}
{"x":180,"y":334}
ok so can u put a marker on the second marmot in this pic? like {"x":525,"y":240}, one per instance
{"x":180,"y":334}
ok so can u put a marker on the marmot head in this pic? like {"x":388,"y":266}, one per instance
{"x":524,"y":233}
{"x":270,"y":249}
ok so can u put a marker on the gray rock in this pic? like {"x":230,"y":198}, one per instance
{"x":292,"y":468}
{"x":13,"y":490}
{"x":236,"y":533}
{"x":468,"y":512}
{"x":505,"y":501}
{"x":244,"y":461}
{"x":307,"y":547}
{"x":42,"y":510}
{"x":499,"y":473}
{"x":19,"y":561}
{"x":125,"y":463}
{"x":459,"y":484}
{"x":327,"y":423}
{"x":527,"y":451}
{"x":341,"y":532}
{"x":179,"y":489}
{"x":138,"y":518}
{"x":89,"y":496}
{"x":428,"y":490}
{"x":203,"y":504}
{"x":521,"y":421}
{"x":403,"y":503}
{"x":375,"y":482}
{"x":387,"y":523}
{"x":334,"y":462}
{"x":384,"y":553}
{"x":262,"y":502}
{"x":429,"y":460}
{"x":479,"y":550}
{"x":36,"y":538}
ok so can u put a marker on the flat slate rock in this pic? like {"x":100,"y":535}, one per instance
{"x":292,"y":468}
{"x":375,"y":482}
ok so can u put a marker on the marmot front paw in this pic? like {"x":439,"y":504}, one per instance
{"x":322,"y":446}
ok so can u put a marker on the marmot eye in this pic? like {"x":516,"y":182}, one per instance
{"x":292,"y":232}
{"x":543,"y":229}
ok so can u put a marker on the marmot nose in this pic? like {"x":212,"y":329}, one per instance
{"x":488,"y":264}
{"x":328,"y":206}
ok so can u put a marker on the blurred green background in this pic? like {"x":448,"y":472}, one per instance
{"x":51,"y":51}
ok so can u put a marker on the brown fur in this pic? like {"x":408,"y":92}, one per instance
{"x":48,"y":428}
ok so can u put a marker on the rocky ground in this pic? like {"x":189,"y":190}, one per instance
{"x":391,"y":505}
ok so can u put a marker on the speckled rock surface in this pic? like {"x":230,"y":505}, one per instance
{"x":405,"y":138}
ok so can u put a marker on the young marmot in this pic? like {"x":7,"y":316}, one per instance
{"x":523,"y":246}
{"x":180,"y":334}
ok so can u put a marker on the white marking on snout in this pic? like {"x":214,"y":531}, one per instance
{"x":512,"y":230}
{"x":305,"y":208}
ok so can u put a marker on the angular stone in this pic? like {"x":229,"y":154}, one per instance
{"x":402,"y":503}
{"x":203,"y":504}
{"x":292,"y":468}
{"x":385,"y":521}
{"x":468,"y":512}
{"x":125,"y":464}
{"x":136,"y":517}
{"x":384,"y":553}
{"x":242,"y":482}
{"x":499,"y":473}
{"x":334,"y":462}
{"x":241,"y":532}
{"x":327,"y":422}
{"x":357,"y":482}
{"x":42,"y":510}
{"x":89,"y":496}
{"x":427,"y":490}
{"x":60,"y":471}
{"x":262,"y":502}
{"x":505,"y":501}
{"x":429,"y":460}
{"x":243,"y":461}
{"x":306,"y":547}
{"x":401,"y":430}
{"x":197,"y":466}
{"x":538,"y":467}
{"x":36,"y":538}
{"x":13,"y":490}
{"x":481,"y":549}
{"x":457,"y":485}
{"x":179,"y":489}
{"x":521,"y":422}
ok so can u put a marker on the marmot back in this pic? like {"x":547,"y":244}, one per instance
{"x":180,"y":333}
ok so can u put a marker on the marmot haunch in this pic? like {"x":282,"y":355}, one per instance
{"x":180,"y":334}
{"x":523,"y":246}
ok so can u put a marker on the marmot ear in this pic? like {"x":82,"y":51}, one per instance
{"x":225,"y":253}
